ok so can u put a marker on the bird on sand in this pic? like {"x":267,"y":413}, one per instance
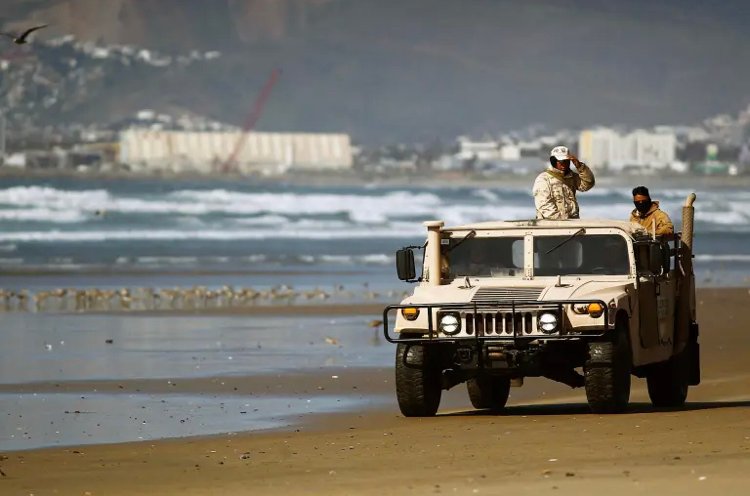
{"x":22,"y":38}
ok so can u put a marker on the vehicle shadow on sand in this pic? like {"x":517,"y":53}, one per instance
{"x":583,"y":408}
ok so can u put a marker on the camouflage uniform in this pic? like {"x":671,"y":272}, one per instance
{"x":654,"y":214}
{"x":555,"y":192}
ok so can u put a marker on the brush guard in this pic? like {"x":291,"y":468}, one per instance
{"x":518,"y":317}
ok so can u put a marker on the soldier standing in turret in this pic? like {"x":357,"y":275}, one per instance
{"x":555,"y":188}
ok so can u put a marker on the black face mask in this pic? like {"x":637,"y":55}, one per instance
{"x":642,"y":206}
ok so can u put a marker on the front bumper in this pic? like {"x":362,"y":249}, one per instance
{"x":502,"y":321}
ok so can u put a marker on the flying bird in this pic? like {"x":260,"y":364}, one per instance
{"x":21,"y":39}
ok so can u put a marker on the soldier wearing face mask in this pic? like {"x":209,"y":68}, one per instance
{"x":648,"y":214}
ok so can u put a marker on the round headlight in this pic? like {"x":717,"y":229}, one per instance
{"x":548,"y":323}
{"x":450,"y":324}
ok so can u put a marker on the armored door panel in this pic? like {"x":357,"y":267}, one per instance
{"x":648,"y":313}
{"x":665,"y":302}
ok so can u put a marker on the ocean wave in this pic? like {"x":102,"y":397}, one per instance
{"x":617,"y":193}
{"x":262,"y":220}
{"x":254,"y":258}
{"x":370,"y":259}
{"x":731,"y":217}
{"x":734,"y":257}
{"x":11,"y":261}
{"x":222,"y":209}
{"x":46,"y":197}
{"x":155,"y":261}
{"x":167,"y":260}
{"x":285,"y":223}
{"x":42,"y":215}
{"x":486,"y":194}
{"x":221,"y":200}
{"x":197,"y":202}
{"x":219,"y":235}
{"x":377,"y":259}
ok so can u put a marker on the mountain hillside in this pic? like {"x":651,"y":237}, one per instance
{"x":387,"y":70}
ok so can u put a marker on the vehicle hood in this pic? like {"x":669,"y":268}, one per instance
{"x":493,"y":292}
{"x":600,"y":290}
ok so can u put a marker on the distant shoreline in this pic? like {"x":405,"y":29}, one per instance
{"x":355,"y":178}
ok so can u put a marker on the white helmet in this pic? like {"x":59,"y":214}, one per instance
{"x":559,"y":152}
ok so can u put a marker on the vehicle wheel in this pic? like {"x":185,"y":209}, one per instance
{"x":488,"y":392}
{"x":418,"y":386}
{"x":607,"y":372}
{"x":668,"y":381}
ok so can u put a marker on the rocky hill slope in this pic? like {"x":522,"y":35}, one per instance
{"x":384,"y":70}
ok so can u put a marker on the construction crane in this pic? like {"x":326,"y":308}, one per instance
{"x":252,"y":119}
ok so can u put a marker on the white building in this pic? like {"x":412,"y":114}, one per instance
{"x":248,"y":152}
{"x":481,"y":150}
{"x":510,"y":153}
{"x":599,"y":147}
{"x":650,"y":150}
{"x":605,"y":147}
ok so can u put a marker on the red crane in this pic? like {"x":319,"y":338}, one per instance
{"x":252,"y":119}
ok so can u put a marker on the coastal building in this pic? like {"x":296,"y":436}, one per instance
{"x":649,"y":150}
{"x":599,"y":147}
{"x":637,"y":150}
{"x":488,"y":150}
{"x":510,"y":152}
{"x":207,"y":152}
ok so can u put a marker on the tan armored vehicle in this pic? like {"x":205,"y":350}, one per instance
{"x":583,"y":302}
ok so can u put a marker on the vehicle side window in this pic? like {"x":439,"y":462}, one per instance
{"x":518,"y":253}
{"x":642,"y":258}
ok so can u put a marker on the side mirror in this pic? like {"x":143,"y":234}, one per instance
{"x":405,"y":264}
{"x":655,"y":259}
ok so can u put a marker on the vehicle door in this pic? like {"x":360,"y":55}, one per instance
{"x":648,"y":322}
{"x":665,"y":288}
{"x":652,"y":286}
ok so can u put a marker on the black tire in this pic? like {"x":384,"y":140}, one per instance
{"x":607,"y":372}
{"x":418,"y":381}
{"x":668,"y":381}
{"x":487,"y":392}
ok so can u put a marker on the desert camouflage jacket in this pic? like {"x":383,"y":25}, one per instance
{"x":555,"y":192}
{"x":654,"y":216}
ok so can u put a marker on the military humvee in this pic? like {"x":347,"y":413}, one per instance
{"x":500,"y":301}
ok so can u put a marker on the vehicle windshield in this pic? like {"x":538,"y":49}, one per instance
{"x":590,"y":254}
{"x":485,"y":257}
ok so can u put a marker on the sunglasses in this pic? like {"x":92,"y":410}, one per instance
{"x":565,"y":162}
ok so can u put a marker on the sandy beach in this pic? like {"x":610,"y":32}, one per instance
{"x":546,"y":442}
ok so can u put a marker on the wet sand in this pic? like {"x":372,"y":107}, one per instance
{"x":543,"y":444}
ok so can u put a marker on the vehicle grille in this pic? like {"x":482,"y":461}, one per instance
{"x":490,"y":295}
{"x":499,"y":323}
